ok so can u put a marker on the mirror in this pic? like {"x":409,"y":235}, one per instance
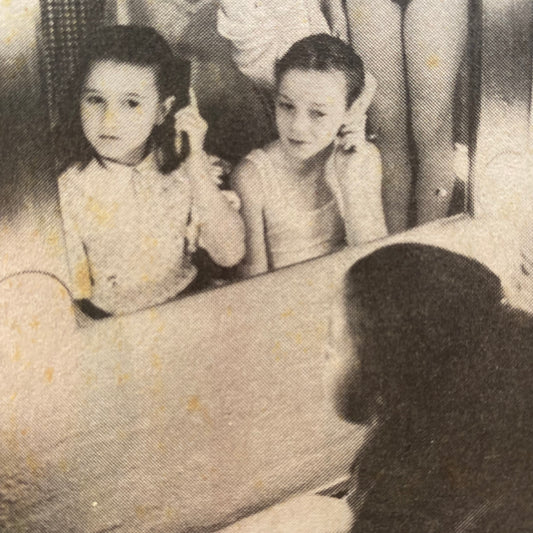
{"x":312,"y":173}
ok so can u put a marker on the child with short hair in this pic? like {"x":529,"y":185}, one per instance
{"x":138,"y":178}
{"x":303,"y":195}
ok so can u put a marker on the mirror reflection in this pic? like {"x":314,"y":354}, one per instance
{"x":196,"y":143}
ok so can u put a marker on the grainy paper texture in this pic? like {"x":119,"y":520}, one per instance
{"x":165,"y":330}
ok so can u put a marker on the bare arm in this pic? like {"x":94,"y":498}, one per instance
{"x":360,"y":185}
{"x":221,"y":226}
{"x":247,"y":186}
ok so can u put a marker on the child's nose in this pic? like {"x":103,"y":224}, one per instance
{"x":300,"y":124}
{"x":110,"y":117}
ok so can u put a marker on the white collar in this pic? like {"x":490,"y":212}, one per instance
{"x":147,"y":165}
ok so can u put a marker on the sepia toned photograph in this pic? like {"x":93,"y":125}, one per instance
{"x":266,"y":266}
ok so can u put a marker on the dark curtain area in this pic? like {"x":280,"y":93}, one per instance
{"x":64,"y":25}
{"x":35,"y":72}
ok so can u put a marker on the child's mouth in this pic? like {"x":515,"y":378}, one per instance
{"x":297,"y":142}
{"x":109,"y":137}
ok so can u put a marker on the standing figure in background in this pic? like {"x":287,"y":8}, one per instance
{"x":262,"y":32}
{"x":414,"y":48}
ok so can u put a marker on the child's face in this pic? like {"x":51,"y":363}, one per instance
{"x":120,"y":105}
{"x":310,"y":110}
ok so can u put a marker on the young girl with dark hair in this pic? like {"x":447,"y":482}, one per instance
{"x":303,"y":195}
{"x":139,"y":191}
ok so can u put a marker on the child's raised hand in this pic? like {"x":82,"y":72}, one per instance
{"x":353,"y":133}
{"x":190,"y":121}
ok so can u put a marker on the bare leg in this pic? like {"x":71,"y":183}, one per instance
{"x":376,"y":35}
{"x":435,"y":40}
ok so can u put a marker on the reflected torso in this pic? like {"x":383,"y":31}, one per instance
{"x":129,"y":225}
{"x":294,"y":234}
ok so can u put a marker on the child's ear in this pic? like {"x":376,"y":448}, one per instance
{"x":166,"y":107}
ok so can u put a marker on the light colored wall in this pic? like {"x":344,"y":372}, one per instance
{"x":23,"y":115}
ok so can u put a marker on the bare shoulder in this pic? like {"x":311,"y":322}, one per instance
{"x":246,"y":179}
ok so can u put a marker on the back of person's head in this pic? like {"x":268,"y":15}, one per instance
{"x":430,"y":313}
{"x":325,"y":53}
{"x":446,"y":359}
{"x":139,"y":46}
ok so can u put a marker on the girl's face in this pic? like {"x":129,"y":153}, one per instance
{"x":120,"y":105}
{"x":342,"y":372}
{"x":310,"y":110}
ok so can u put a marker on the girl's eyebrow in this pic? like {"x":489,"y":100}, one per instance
{"x":314,"y":104}
{"x":91,"y":90}
{"x":281,"y":95}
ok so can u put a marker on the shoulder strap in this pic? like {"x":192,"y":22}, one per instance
{"x":266,"y":174}
{"x":332,"y":179}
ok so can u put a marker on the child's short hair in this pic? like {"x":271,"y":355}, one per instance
{"x":324,"y":53}
{"x":136,"y":45}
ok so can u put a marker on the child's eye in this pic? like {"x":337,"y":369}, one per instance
{"x":94,"y":99}
{"x":132,"y":103}
{"x":317,"y":114}
{"x":286,"y":106}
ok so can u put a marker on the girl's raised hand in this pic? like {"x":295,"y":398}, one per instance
{"x":353,"y":133}
{"x":189,"y":121}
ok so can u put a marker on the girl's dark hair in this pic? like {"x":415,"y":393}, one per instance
{"x":325,"y":53}
{"x":136,"y":45}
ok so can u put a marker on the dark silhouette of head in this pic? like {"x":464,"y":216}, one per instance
{"x":444,"y":369}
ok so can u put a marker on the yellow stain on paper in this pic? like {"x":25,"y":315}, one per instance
{"x":141,"y":511}
{"x":49,"y":374}
{"x":123,"y":378}
{"x":82,"y":278}
{"x":33,"y":464}
{"x":17,"y":356}
{"x":156,"y":362}
{"x":102,"y":215}
{"x":433,"y":61}
{"x":90,"y":379}
{"x":194,"y":405}
{"x":52,"y":238}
